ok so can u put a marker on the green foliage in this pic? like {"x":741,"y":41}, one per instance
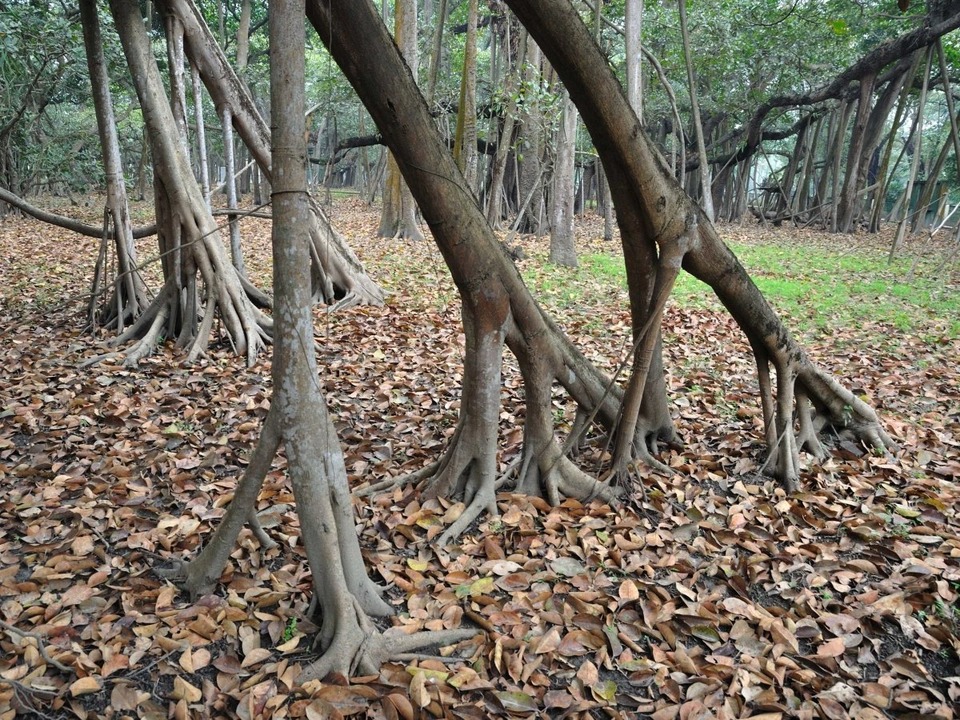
{"x":819,"y":289}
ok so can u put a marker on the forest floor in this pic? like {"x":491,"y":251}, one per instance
{"x":717,"y":597}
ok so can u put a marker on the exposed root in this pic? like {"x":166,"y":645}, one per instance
{"x":200,"y":575}
{"x":808,"y":402}
{"x":357,"y":648}
{"x":395,"y":482}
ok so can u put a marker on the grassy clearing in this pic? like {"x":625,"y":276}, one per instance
{"x":819,"y":289}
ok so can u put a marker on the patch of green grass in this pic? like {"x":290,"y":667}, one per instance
{"x":816,"y":288}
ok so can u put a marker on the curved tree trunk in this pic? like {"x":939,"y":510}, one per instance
{"x":189,"y":237}
{"x":338,"y":276}
{"x":497,"y":307}
{"x":627,"y":153}
{"x":129,"y":296}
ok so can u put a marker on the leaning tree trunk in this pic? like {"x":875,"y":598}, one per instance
{"x":129,"y":296}
{"x":338,"y":276}
{"x":804,"y":391}
{"x":497,"y":307}
{"x":190,"y":239}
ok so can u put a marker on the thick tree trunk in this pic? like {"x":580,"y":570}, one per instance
{"x":298,"y":415}
{"x":497,"y":307}
{"x":190,"y":240}
{"x":640,"y":179}
{"x":338,"y":276}
{"x":129,"y":297}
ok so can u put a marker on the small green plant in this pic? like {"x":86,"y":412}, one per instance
{"x":289,"y":630}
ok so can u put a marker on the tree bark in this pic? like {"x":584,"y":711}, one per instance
{"x":465,"y":138}
{"x":706,"y":186}
{"x":398,"y":219}
{"x":633,"y":41}
{"x":563,"y":251}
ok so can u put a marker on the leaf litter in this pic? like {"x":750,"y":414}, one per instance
{"x":717,"y":597}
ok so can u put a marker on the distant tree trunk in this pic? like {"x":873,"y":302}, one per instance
{"x":563,"y":250}
{"x":128,"y":298}
{"x":435,"y":56}
{"x":506,"y":138}
{"x":706,"y":186}
{"x":190,"y":240}
{"x":847,"y":205}
{"x":632,"y":45}
{"x":398,"y":219}
{"x":915,"y":164}
{"x":236,"y":251}
{"x":952,"y":142}
{"x":465,"y":139}
{"x":203,"y":161}
{"x":530,"y":147}
{"x":243,"y":37}
{"x":633,"y":39}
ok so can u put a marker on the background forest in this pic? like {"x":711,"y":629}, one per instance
{"x":558,"y":451}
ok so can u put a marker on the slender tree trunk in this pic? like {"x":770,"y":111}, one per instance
{"x":563,"y":249}
{"x":398,"y":218}
{"x":505,"y":141}
{"x":529,"y":148}
{"x":202,"y":159}
{"x":915,"y":164}
{"x":465,"y":139}
{"x":706,"y":188}
{"x":435,"y":56}
{"x":128,"y":297}
{"x":236,"y":251}
{"x":633,"y":42}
